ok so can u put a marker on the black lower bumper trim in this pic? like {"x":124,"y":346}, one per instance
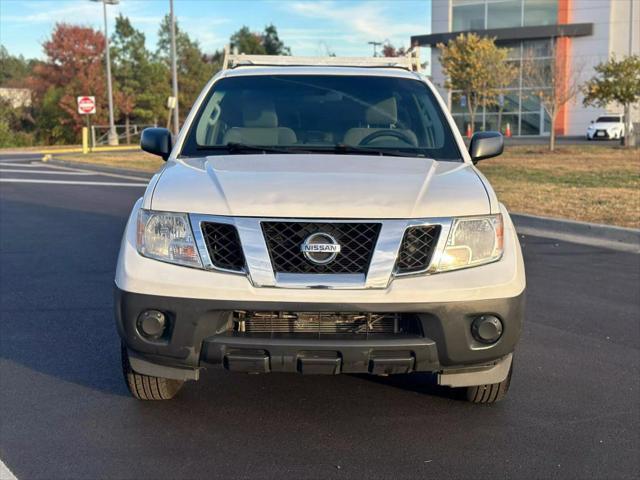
{"x":385,"y":355}
{"x":199,"y":335}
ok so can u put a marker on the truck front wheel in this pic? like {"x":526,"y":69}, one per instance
{"x":147,"y":387}
{"x":490,"y":393}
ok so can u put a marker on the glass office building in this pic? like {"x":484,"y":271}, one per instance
{"x":577,"y":31}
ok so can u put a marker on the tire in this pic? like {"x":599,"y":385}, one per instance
{"x":146,"y":387}
{"x":491,"y":393}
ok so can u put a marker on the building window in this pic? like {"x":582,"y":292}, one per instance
{"x":538,"y":48}
{"x":468,"y":16}
{"x":504,"y":14}
{"x":481,"y":14}
{"x":540,"y":12}
{"x":520,"y":108}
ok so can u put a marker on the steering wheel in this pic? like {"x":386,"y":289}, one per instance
{"x":386,"y":133}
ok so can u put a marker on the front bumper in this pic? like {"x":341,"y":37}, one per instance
{"x":601,"y":134}
{"x":199,"y":335}
{"x":199,"y":303}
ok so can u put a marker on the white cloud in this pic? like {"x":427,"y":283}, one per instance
{"x":363,"y":22}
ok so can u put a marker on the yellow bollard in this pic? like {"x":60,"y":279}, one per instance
{"x":85,"y":140}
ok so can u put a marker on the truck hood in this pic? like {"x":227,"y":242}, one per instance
{"x":320,"y":186}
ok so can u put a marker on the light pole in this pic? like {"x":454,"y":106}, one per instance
{"x":112,"y":137}
{"x":174,"y":70}
{"x":375,"y":47}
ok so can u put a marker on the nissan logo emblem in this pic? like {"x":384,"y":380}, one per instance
{"x":320,"y":248}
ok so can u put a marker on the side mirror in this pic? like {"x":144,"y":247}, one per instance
{"x":592,"y":121}
{"x":485,"y":145}
{"x":156,"y":141}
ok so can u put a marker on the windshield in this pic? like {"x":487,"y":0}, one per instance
{"x":608,"y":120}
{"x":319,"y":113}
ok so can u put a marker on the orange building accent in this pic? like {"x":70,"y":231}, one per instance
{"x":563,"y":56}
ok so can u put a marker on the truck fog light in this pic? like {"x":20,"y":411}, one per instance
{"x":152,"y":323}
{"x":487,"y":329}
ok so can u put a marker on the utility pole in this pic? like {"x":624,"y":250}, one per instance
{"x":375,"y":47}
{"x":112,"y":136}
{"x":174,"y":70}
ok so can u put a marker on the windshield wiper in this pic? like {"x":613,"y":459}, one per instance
{"x":235,"y":147}
{"x":344,"y":148}
{"x":340,"y":148}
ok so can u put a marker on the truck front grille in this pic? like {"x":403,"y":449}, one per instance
{"x":417,"y":248}
{"x":284,"y":241}
{"x":329,"y":323}
{"x":223,"y":245}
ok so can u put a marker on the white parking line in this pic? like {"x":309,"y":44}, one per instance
{"x":46,"y":172}
{"x":5,"y":473}
{"x":70,"y":182}
{"x":29,"y":159}
{"x":21,"y":165}
{"x":72,"y":169}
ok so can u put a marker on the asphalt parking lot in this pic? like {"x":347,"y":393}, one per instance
{"x":573,"y":410}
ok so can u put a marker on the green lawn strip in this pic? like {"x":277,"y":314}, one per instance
{"x":616,"y":178}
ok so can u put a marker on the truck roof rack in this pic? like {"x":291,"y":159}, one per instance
{"x":411,"y":61}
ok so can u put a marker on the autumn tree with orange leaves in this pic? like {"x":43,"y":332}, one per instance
{"x":74,"y":66}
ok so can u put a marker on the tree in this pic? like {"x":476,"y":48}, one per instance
{"x":616,"y":81}
{"x":470,"y":63}
{"x":248,"y":42}
{"x":553,"y":82}
{"x":259,"y":43}
{"x":139,"y":84}
{"x":74,"y":66}
{"x":13,"y":69}
{"x":272,"y":43}
{"x":16,"y":125}
{"x":388,"y":50}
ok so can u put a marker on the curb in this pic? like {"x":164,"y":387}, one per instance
{"x":617,"y":238}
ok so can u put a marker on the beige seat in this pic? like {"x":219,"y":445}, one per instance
{"x":381,"y":116}
{"x":260,"y":126}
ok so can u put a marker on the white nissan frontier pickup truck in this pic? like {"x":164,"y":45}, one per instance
{"x":320,"y":219}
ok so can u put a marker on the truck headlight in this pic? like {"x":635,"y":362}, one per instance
{"x":167,"y":237}
{"x":473,"y":241}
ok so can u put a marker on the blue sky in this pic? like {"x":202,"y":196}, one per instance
{"x":308,"y":27}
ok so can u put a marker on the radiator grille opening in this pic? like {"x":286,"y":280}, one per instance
{"x":357,"y":242}
{"x":327,"y":323}
{"x":416,"y":250}
{"x":223,"y":245}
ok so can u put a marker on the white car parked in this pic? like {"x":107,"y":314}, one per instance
{"x":606,"y":127}
{"x":320,"y":219}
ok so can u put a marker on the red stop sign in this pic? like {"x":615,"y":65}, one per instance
{"x":86,"y":105}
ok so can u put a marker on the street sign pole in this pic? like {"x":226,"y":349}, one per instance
{"x":89,"y":145}
{"x":86,"y":107}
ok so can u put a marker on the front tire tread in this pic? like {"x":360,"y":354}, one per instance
{"x":147,"y":387}
{"x":490,"y":393}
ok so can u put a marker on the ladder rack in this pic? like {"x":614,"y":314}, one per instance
{"x":411,"y":61}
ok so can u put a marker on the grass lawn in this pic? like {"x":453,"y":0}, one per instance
{"x":599,"y":184}
{"x":592,"y":183}
{"x":129,"y":160}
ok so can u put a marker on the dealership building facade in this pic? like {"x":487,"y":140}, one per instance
{"x":570,"y":35}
